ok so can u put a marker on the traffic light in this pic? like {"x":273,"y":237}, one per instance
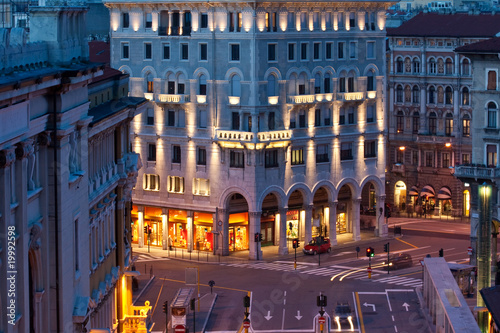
{"x":386,"y":247}
{"x":145,"y":229}
{"x":191,"y":304}
{"x":321,"y":300}
{"x":260,"y":237}
{"x":165,"y":307}
{"x":256,"y":237}
{"x":370,"y":252}
{"x":295,"y":243}
{"x":441,"y":253}
{"x":246,"y":301}
{"x":149,"y":230}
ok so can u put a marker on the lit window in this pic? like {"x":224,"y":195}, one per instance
{"x":297,"y":156}
{"x":151,"y":182}
{"x":201,"y":186}
{"x":466,"y":125}
{"x":175,"y":184}
{"x":448,"y":130}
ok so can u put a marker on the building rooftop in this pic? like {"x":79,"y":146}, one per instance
{"x":491,"y":297}
{"x":486,"y":46}
{"x":107,"y":109}
{"x":449,"y":25}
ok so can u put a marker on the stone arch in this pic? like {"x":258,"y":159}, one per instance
{"x":371,"y":67}
{"x":234,"y":71}
{"x":376,"y":181}
{"x":126,"y":69}
{"x":318,"y":69}
{"x":303,"y":189}
{"x":276,"y":190}
{"x":201,"y":71}
{"x":225,"y":197}
{"x":273,"y":70}
{"x":148,"y":69}
{"x":331,"y":70}
{"x":353,"y":186}
{"x":330,"y":188}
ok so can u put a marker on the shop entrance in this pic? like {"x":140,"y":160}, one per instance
{"x":238,"y":238}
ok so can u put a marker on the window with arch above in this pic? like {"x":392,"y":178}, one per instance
{"x":432,"y":66}
{"x":342,"y":84}
{"x":432,"y":123}
{"x":399,"y":65}
{"x":432,"y":95}
{"x":370,"y":81}
{"x":327,"y":83}
{"x":400,"y":122}
{"x":448,"y":124}
{"x":465,"y":96}
{"x":149,"y":83}
{"x":302,"y":84}
{"x":399,"y":94}
{"x":181,"y":84}
{"x":416,"y":122}
{"x":416,"y":65}
{"x":407,"y":65}
{"x":271,"y":85}
{"x":235,"y":85}
{"x":448,"y":96}
{"x":202,"y":85}
{"x":440,"y":66}
{"x":292,"y":85}
{"x":466,"y":125}
{"x":350,"y":83}
{"x":449,"y":66}
{"x":466,"y":67}
{"x":492,"y":115}
{"x":407,"y":94}
{"x":317,"y":83}
{"x":415,"y":95}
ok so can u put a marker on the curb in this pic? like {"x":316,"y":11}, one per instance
{"x":145,"y":287}
{"x":209,"y":313}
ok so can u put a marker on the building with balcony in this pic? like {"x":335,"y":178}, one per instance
{"x":66,"y":176}
{"x":430,"y":111}
{"x":264,"y":118}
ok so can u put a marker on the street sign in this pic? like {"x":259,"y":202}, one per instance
{"x":321,"y":320}
{"x":469,"y":251}
{"x":369,"y":269}
{"x":246,"y":323}
{"x":180,"y":329}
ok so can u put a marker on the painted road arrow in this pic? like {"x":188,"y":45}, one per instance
{"x":406,"y":305}
{"x":298,"y":316}
{"x":372,"y":305}
{"x":268,"y":317}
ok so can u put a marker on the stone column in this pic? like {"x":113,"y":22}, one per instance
{"x":423,"y":109}
{"x":255,"y":123}
{"x":332,"y":222}
{"x":356,"y":233}
{"x":190,"y":230}
{"x":382,"y":227}
{"x":181,"y":21}
{"x":307,"y":223}
{"x":255,"y":251}
{"x":283,"y":245}
{"x":456,"y":111}
{"x":169,"y":32}
{"x":165,"y":226}
{"x":140,"y":221}
{"x":223,"y":232}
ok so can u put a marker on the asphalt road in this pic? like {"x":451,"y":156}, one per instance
{"x":283,"y":299}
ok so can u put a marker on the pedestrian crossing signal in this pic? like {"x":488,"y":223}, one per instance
{"x":165,"y":307}
{"x":386,"y":247}
{"x":295,"y":243}
{"x":145,"y":229}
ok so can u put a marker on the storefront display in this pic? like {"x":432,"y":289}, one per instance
{"x":238,"y":238}
{"x":292,"y":223}
{"x":203,"y":237}
{"x":341,"y":223}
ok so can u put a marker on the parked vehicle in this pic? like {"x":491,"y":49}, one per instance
{"x":398,"y":260}
{"x":318,"y":245}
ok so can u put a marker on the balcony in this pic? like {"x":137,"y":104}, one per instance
{"x":201,"y":99}
{"x":371,"y":94}
{"x":273,"y":100}
{"x":250,"y":137}
{"x":351,"y":96}
{"x":274,"y":136}
{"x":173,"y":99}
{"x":398,"y":168}
{"x":324,"y":97}
{"x":478,"y":173}
{"x":149,"y":96}
{"x":139,"y":319}
{"x":234,"y":100}
{"x":234,"y":136}
{"x":302,"y":99}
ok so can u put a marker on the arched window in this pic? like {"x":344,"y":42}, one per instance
{"x":399,"y":94}
{"x":370,"y":81}
{"x":407,"y":65}
{"x":416,"y":95}
{"x":400,"y":119}
{"x":466,"y":125}
{"x":416,"y":65}
{"x":449,"y":96}
{"x":327,"y":83}
{"x":317,"y":84}
{"x":416,"y":122}
{"x":407,"y":94}
{"x":432,"y":123}
{"x":448,"y":124}
{"x":149,"y":82}
{"x":399,"y":65}
{"x":440,"y":66}
{"x":465,"y":96}
{"x":181,"y":84}
{"x":440,"y":95}
{"x":492,"y":115}
{"x":292,"y":85}
{"x":432,"y":95}
{"x":235,"y":85}
{"x":271,"y":85}
{"x":350,"y":83}
{"x":202,"y":84}
{"x":449,"y":66}
{"x":342,"y":83}
{"x":302,"y":84}
{"x":432,"y":66}
{"x":466,"y":67}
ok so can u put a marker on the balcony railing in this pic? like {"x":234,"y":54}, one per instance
{"x":274,"y":136}
{"x":398,"y":168}
{"x":234,"y":100}
{"x":234,"y":135}
{"x":273,"y":100}
{"x":171,"y":98}
{"x":149,"y":96}
{"x":351,"y":96}
{"x":476,"y":172}
{"x":301,"y":99}
{"x":328,"y":97}
{"x":241,"y":136}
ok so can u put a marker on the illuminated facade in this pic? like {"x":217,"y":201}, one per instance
{"x":264,"y":118}
{"x":430,"y":112}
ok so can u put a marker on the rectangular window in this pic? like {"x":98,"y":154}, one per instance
{"x":415,"y":157}
{"x":171,"y":118}
{"x":150,"y":117}
{"x":271,"y":121}
{"x":291,"y":52}
{"x":148,"y":19}
{"x":341,"y":116}
{"x":147,"y":51}
{"x":203,"y":51}
{"x":201,"y":186}
{"x":346,"y":151}
{"x":370,"y":50}
{"x":316,"y":51}
{"x":125,"y":50}
{"x":184,"y":51}
{"x":317,"y":117}
{"x":350,"y":115}
{"x":175,"y":184}
{"x":466,"y":127}
{"x":271,"y":52}
{"x":151,"y":182}
{"x":465,"y":158}
{"x":125,"y":20}
{"x":235,"y":52}
{"x":446,"y":160}
{"x":328,"y":117}
{"x":322,"y":153}
{"x":352,"y":20}
{"x":429,"y":159}
{"x":235,"y":125}
{"x":400,"y":156}
{"x":236,"y":159}
{"x":166,"y":51}
{"x":341,"y":50}
{"x":302,"y":119}
{"x":303,"y":51}
{"x":176,"y":154}
{"x":201,"y":156}
{"x":370,"y":149}
{"x":491,"y":151}
{"x":202,"y":119}
{"x":353,"y":50}
{"x":151,"y":152}
{"x":271,"y":158}
{"x":297,"y":156}
{"x":492,"y":80}
{"x":204,"y":21}
{"x":329,"y":50}
{"x":370,"y":113}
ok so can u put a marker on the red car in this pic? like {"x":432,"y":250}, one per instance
{"x":318,"y":245}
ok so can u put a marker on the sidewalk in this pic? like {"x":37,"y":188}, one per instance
{"x":203,"y":309}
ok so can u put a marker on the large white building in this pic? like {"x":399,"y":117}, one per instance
{"x":264,"y":118}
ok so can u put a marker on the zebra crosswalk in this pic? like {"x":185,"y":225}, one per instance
{"x":340,"y":272}
{"x":141,"y":257}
